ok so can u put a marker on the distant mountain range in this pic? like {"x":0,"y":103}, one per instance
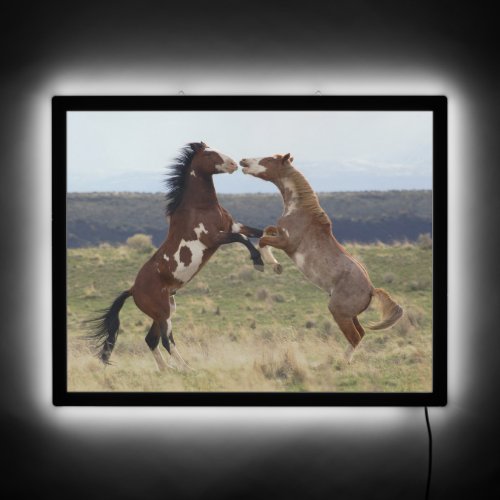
{"x":362,"y":216}
{"x":413,"y":173}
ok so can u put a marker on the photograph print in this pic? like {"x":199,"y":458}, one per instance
{"x":237,"y":252}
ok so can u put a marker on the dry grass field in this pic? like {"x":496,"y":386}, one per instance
{"x":241,"y":330}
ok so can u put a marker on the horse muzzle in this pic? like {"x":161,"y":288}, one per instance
{"x":244,"y":166}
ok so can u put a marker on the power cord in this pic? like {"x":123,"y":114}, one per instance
{"x":429,"y":470}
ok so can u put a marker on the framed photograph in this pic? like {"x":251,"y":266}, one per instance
{"x":250,"y":250}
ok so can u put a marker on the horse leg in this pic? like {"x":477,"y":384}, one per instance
{"x":273,"y":237}
{"x":164,"y":334}
{"x":155,"y":300}
{"x":177,"y":354}
{"x":248,"y":231}
{"x":167,"y":335}
{"x":348,"y":327}
{"x":225,"y":238}
{"x":270,"y":259}
{"x":360,"y":329}
{"x":152,"y":340}
{"x":173,"y":306}
{"x":350,"y":332}
{"x":168,"y":342}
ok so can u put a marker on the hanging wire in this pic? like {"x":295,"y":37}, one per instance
{"x":429,"y":470}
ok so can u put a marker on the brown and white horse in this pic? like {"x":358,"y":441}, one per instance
{"x":304,"y":233}
{"x":198,"y":226}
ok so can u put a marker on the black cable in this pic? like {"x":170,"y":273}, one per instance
{"x":430,"y":454}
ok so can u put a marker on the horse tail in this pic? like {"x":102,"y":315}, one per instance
{"x":105,"y":328}
{"x":391,"y":311}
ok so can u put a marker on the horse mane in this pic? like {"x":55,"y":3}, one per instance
{"x":177,"y":176}
{"x":307,"y":198}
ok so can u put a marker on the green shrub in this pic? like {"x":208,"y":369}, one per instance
{"x":246,"y":274}
{"x":140,"y":242}
{"x":424,"y":241}
{"x":388,"y":277}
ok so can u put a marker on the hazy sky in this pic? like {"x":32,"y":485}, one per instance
{"x":336,"y":151}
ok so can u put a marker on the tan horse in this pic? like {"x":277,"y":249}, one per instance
{"x":199,"y":225}
{"x":304,"y":233}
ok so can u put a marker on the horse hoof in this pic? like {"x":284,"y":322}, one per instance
{"x":259,"y":267}
{"x":278,"y":268}
{"x":349,"y":355}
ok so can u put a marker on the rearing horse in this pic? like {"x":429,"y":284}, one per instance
{"x":198,"y":226}
{"x":304,"y":233}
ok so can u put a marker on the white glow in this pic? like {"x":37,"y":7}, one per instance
{"x":183,"y":420}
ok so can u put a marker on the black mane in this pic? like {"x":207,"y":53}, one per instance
{"x":176,"y":180}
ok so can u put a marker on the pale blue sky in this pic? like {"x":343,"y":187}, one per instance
{"x":336,"y":151}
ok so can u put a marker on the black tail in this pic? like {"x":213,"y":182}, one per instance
{"x":105,"y":328}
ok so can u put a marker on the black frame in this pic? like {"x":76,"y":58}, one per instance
{"x":436,"y":104}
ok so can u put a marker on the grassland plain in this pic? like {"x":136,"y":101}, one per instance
{"x":242,"y":330}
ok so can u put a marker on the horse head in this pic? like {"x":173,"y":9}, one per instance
{"x":268,"y":168}
{"x":208,"y":161}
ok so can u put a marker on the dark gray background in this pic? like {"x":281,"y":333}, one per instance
{"x":229,"y":47}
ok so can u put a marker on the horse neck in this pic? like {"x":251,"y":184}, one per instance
{"x":291,"y":193}
{"x":298,"y":195}
{"x":199,"y":192}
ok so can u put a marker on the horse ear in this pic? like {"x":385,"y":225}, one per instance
{"x":286,"y":158}
{"x":197,"y":146}
{"x":203,"y":145}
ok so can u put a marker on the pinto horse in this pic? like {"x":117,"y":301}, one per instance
{"x":198,"y":226}
{"x":304,"y":233}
